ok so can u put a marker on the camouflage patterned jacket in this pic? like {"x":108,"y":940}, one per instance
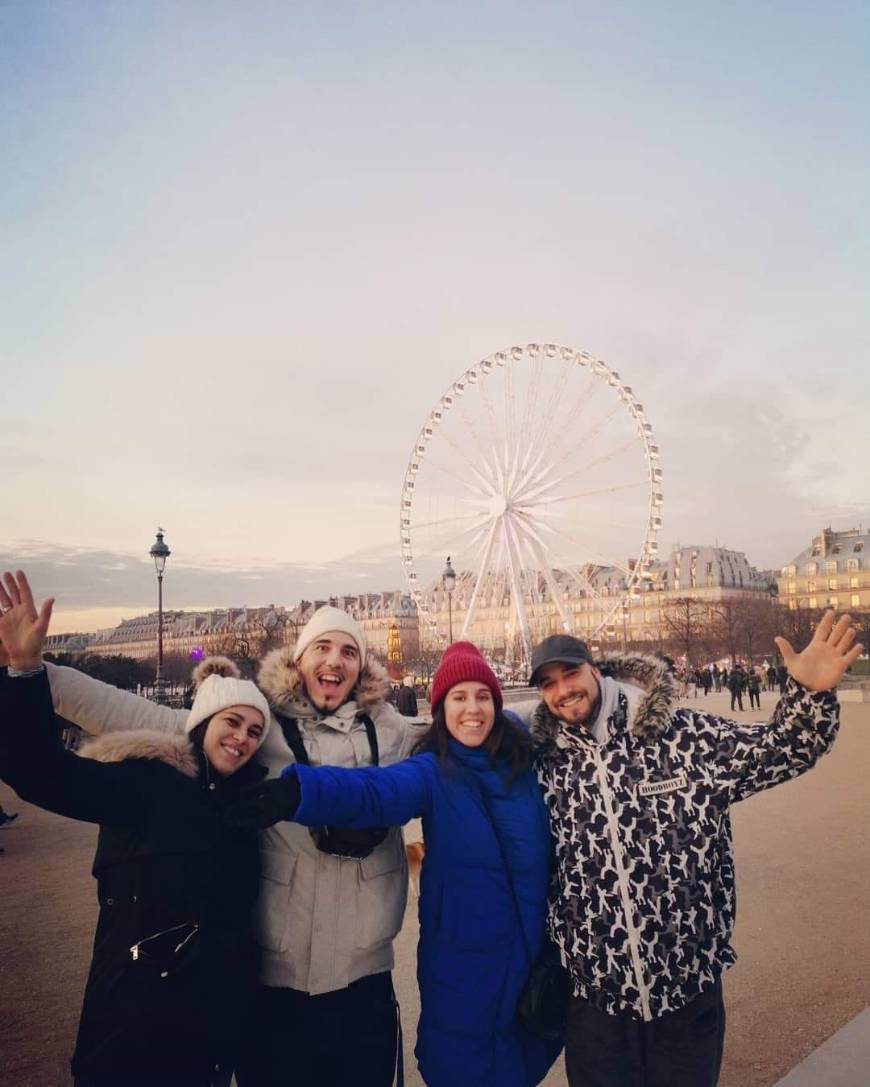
{"x":642,"y":901}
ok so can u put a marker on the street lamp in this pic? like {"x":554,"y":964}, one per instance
{"x":448,"y":580}
{"x":160,"y":553}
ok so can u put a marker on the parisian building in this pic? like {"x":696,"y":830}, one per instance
{"x":833,"y":571}
{"x":389,"y":621}
{"x":596,"y":603}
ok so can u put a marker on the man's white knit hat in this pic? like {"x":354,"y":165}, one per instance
{"x":324,"y":620}
{"x":218,"y":692}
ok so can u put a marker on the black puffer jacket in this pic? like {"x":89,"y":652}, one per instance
{"x":165,"y":861}
{"x":642,"y":904}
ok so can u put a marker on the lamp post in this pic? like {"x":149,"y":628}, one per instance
{"x":160,"y":553}
{"x":448,"y":580}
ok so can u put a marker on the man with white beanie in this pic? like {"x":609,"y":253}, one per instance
{"x":331,"y":902}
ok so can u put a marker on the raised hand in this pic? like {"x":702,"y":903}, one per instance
{"x":22,"y":628}
{"x":831,"y":651}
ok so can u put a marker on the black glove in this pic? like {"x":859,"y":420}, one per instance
{"x":265,"y":804}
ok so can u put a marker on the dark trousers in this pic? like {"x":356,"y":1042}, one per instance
{"x":346,"y":1038}
{"x":754,"y":700}
{"x":682,"y":1048}
{"x":737,"y":696}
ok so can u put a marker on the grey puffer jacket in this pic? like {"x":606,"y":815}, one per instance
{"x":322,"y":921}
{"x":642,"y":902}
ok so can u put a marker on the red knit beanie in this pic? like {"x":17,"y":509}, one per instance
{"x":460,"y":662}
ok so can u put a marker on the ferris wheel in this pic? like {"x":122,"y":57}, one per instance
{"x":538,"y":474}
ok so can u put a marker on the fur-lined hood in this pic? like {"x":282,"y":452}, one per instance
{"x":280,"y":680}
{"x":649,"y":715}
{"x":176,"y":751}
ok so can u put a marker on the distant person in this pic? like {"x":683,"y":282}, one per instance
{"x":717,"y":678}
{"x":782,"y":677}
{"x":772,"y":678}
{"x":753,"y":686}
{"x":174,"y":970}
{"x":706,"y":681}
{"x":736,"y":685}
{"x":406,"y":700}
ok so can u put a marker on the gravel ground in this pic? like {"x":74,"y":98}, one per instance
{"x":803,"y":869}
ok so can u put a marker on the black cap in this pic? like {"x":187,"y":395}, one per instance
{"x":558,"y":649}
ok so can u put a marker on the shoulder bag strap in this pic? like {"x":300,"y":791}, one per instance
{"x":372,"y":737}
{"x":294,"y":739}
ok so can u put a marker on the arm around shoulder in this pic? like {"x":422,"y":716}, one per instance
{"x":99,"y":707}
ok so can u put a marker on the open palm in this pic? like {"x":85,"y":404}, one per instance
{"x":831,"y":651}
{"x":22,"y":627}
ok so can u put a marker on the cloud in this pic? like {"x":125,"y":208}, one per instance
{"x":82,"y":578}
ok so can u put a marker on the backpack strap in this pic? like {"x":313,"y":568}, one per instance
{"x":294,"y":738}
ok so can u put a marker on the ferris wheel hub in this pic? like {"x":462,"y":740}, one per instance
{"x":497,"y":505}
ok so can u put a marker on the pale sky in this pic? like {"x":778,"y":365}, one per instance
{"x":246,"y":247}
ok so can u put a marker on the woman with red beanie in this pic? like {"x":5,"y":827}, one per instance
{"x":483,"y":884}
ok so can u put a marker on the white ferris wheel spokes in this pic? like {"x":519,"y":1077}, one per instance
{"x":538,"y":472}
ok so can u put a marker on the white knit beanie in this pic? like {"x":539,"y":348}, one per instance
{"x":219,"y":693}
{"x":324,"y":620}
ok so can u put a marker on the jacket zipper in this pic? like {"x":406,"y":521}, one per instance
{"x":624,"y":891}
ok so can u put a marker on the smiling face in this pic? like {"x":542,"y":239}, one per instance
{"x":231,"y":738}
{"x":469,"y":712}
{"x":571,"y":692}
{"x":330,"y":667}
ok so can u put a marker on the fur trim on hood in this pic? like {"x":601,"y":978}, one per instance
{"x":649,"y":718}
{"x":214,"y":666}
{"x":176,"y":751}
{"x":280,"y":680}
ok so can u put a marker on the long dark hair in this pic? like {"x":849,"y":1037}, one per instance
{"x":506,"y":741}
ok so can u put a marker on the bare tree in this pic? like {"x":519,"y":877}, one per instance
{"x":797,"y":624}
{"x":725,"y":627}
{"x":757,"y":619}
{"x":687,"y":628}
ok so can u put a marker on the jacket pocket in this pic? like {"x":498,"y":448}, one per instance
{"x":271,"y":913}
{"x":383,"y":893}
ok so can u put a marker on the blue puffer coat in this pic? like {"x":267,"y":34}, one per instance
{"x":471,"y":962}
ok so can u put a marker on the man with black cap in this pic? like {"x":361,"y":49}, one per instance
{"x":638,"y":790}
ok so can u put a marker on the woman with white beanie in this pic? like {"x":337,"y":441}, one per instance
{"x":175,"y":964}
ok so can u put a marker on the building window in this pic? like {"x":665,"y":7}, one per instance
{"x":832,"y":583}
{"x":811,"y":568}
{"x":811,"y":587}
{"x":813,"y":602}
{"x":830,"y":567}
{"x":856,"y":600}
{"x":853,"y":583}
{"x":858,"y":547}
{"x":832,"y":602}
{"x":792,"y":586}
{"x":853,"y":564}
